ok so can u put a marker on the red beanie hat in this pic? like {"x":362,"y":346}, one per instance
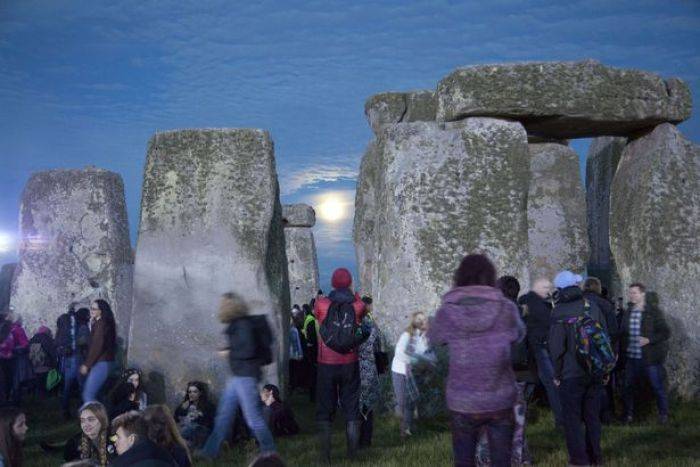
{"x":341,"y":278}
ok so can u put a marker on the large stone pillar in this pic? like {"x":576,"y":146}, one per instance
{"x":74,"y":246}
{"x":655,"y":238}
{"x":211,"y":222}
{"x":6,"y":273}
{"x":555,"y":211}
{"x":302,"y":262}
{"x":601,"y":163}
{"x":427,"y":195}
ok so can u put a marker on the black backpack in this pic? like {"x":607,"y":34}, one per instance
{"x":340,"y":331}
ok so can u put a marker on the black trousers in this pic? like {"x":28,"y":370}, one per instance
{"x":338,"y":384}
{"x":366,"y":429}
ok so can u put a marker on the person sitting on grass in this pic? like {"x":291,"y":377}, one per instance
{"x":195,"y":416}
{"x":13,"y":431}
{"x":163,"y":431}
{"x":278,"y":416}
{"x":93,"y":440}
{"x":129,"y":394}
{"x":133,"y":446}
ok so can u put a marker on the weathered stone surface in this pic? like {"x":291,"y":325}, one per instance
{"x":211,"y":222}
{"x":6,"y":273}
{"x":564,"y":99}
{"x":426,"y":196}
{"x":298,"y":215}
{"x":74,"y":246}
{"x":655,"y":238}
{"x":601,"y":162}
{"x":555,"y":211}
{"x":388,"y":108}
{"x":302,"y":264}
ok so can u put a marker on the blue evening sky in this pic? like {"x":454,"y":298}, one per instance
{"x":87,"y":83}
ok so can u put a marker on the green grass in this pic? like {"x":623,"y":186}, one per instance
{"x":642,"y":444}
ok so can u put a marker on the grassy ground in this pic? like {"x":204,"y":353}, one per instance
{"x":642,"y":444}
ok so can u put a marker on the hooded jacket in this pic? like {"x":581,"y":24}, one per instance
{"x":539,"y":312}
{"x":562,"y":340}
{"x":478,"y":324}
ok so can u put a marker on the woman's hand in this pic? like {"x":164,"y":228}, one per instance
{"x":83,"y":370}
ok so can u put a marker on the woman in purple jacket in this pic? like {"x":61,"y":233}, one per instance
{"x":479,"y":324}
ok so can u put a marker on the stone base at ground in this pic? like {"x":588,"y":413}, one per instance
{"x":74,"y":246}
{"x":655,"y":238}
{"x":429,"y":194}
{"x":211,"y":222}
{"x":556,"y":219}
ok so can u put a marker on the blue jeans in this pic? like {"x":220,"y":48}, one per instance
{"x":71,"y":376}
{"x":545,"y":371}
{"x":466,"y":429}
{"x":95,"y":379}
{"x":635,"y":370}
{"x":580,"y":400}
{"x":241,"y":390}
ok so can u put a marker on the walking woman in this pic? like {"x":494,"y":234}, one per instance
{"x":411,"y":347}
{"x":249,"y":340}
{"x":100,"y":358}
{"x":479,"y":324}
{"x":13,"y":430}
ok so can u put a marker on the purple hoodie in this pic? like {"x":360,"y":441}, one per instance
{"x":479,"y":325}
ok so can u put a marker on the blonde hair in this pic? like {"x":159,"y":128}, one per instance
{"x":232,"y":306}
{"x":411,"y":329}
{"x":86,"y":446}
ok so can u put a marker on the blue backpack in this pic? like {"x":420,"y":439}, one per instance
{"x":593,"y":345}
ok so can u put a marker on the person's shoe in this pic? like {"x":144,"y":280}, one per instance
{"x":352,"y":436}
{"x":324,"y":442}
{"x":663,"y":419}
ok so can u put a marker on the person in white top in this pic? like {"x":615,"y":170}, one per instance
{"x":411,"y":347}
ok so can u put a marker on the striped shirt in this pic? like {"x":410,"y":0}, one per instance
{"x":634,"y":349}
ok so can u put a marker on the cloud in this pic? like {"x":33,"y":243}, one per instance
{"x":313,"y":175}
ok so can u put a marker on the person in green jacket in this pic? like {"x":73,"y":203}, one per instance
{"x":644,"y":346}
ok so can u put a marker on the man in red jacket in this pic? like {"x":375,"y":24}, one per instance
{"x":338,"y":374}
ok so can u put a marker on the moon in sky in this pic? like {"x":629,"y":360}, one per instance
{"x":5,"y":242}
{"x":331,"y":208}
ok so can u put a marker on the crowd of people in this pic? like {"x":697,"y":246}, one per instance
{"x":564,"y":335}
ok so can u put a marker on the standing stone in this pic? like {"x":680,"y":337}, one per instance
{"x":211,"y":222}
{"x":302,"y":263}
{"x":601,"y":163}
{"x":74,"y":246}
{"x":555,"y":211}
{"x":6,"y":273}
{"x":655,"y":238}
{"x":564,"y":99}
{"x":389,"y":108}
{"x":428,"y":195}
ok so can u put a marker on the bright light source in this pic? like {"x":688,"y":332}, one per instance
{"x":333,"y":206}
{"x":5,"y":242}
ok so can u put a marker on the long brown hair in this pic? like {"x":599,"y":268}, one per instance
{"x":412,"y":328}
{"x":10,"y":446}
{"x":232,"y":307}
{"x":86,"y":445}
{"x":162,"y":429}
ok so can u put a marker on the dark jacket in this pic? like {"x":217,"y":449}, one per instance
{"x":608,"y":310}
{"x":102,"y":343}
{"x":280,"y":419}
{"x":245,"y":345}
{"x":179,"y":454}
{"x":42,"y":353}
{"x":562,"y":340}
{"x":538,"y":312}
{"x":654,"y":328}
{"x":204,"y":414}
{"x":71,"y":450}
{"x":145,"y":453}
